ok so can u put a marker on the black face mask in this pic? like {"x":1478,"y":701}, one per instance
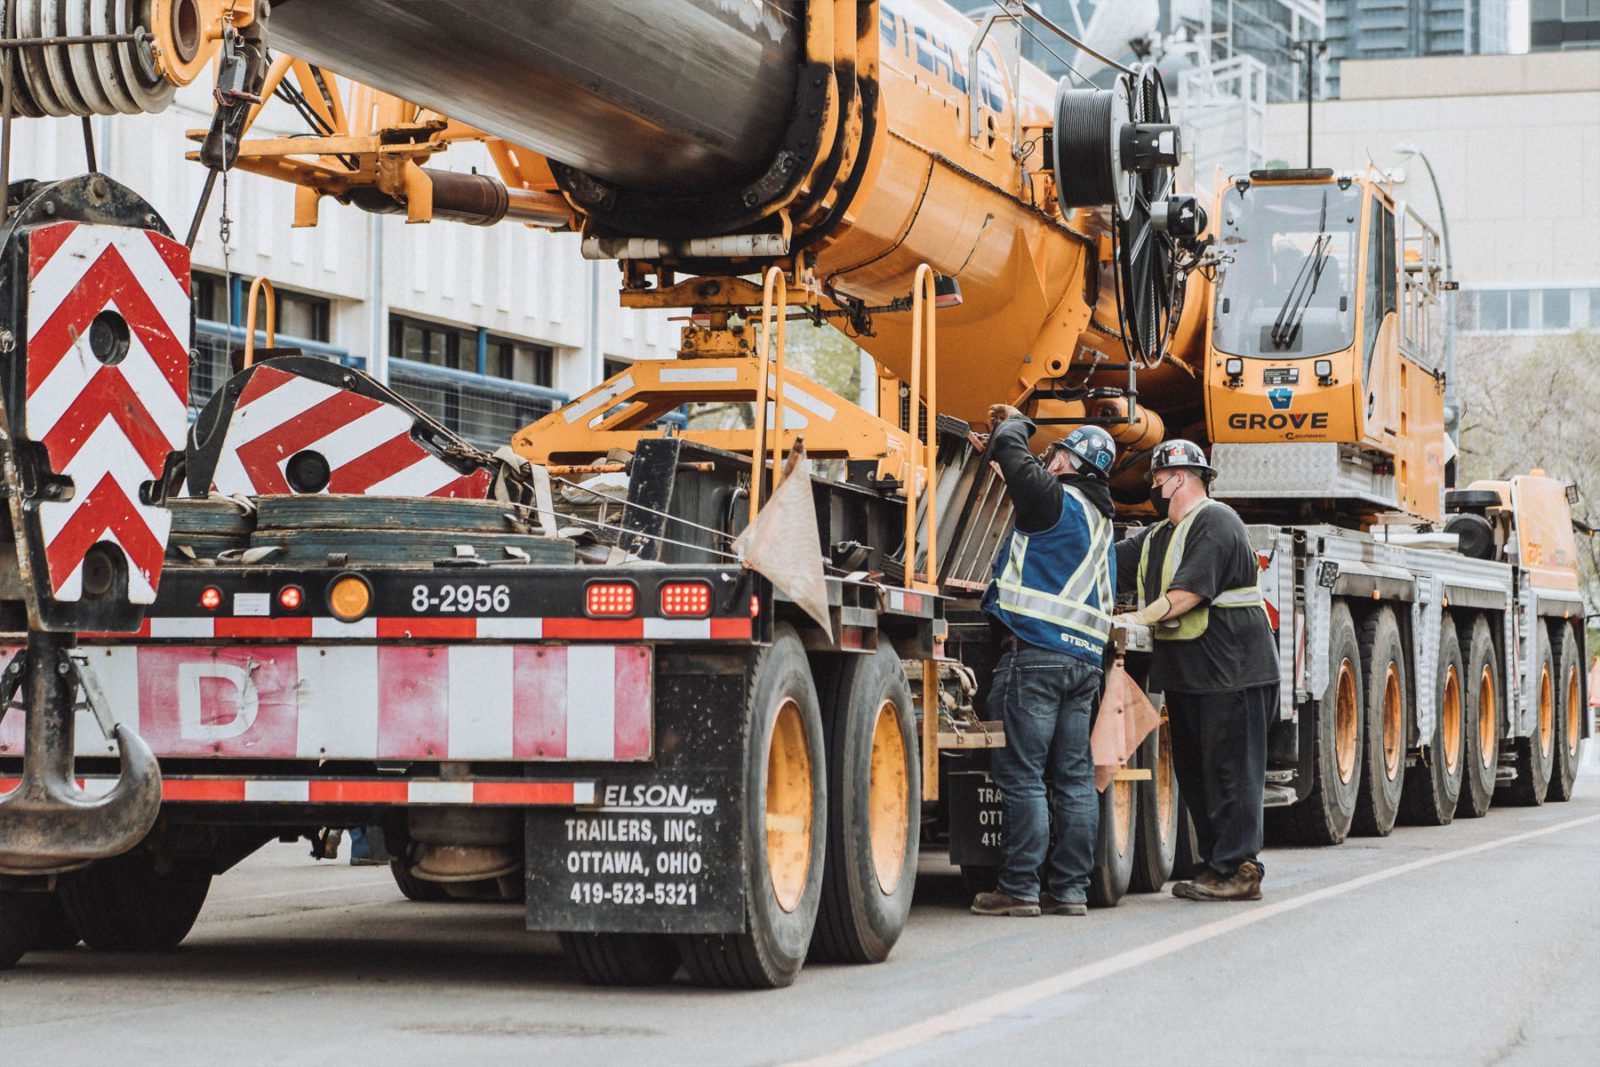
{"x":1159,"y":501}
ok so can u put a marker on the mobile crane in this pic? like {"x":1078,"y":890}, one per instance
{"x":593,"y":702}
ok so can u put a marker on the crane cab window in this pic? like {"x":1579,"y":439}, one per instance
{"x":1286,"y":287}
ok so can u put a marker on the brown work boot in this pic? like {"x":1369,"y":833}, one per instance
{"x":1205,"y":876}
{"x":998,"y":903}
{"x":1049,"y":905}
{"x":1243,"y":884}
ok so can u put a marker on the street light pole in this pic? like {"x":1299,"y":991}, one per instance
{"x":1311,"y":50}
{"x":1452,"y":405}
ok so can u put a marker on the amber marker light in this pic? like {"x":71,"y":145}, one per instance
{"x":349,"y":597}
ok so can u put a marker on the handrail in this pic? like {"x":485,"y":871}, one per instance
{"x":261,"y":282}
{"x":924,"y":347}
{"x":774,"y":284}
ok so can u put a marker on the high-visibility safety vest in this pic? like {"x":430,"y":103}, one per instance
{"x":1055,"y":588}
{"x":1192,"y":623}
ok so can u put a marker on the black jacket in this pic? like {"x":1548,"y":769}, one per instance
{"x":1035,"y":493}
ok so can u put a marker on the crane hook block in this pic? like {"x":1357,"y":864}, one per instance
{"x":95,"y":319}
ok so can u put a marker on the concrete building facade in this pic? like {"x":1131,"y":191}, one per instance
{"x":486,"y":327}
{"x":1391,"y":29}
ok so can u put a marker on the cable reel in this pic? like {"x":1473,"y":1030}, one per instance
{"x":108,"y":69}
{"x":1117,"y":148}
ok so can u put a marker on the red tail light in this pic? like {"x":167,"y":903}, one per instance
{"x":290,"y":597}
{"x":685,"y":599}
{"x":211,"y":598}
{"x":610,"y":599}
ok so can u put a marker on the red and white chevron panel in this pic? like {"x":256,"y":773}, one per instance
{"x":349,"y":791}
{"x":367,"y":443}
{"x":107,"y":427}
{"x":383,"y":702}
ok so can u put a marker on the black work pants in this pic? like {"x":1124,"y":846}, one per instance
{"x":1219,"y":752}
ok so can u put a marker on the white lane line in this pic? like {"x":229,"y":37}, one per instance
{"x":1015,"y":1000}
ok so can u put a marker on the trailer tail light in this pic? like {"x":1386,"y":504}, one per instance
{"x":685,"y":599}
{"x":349,"y":597}
{"x":610,"y":599}
{"x":755,"y":605}
{"x":211,"y":598}
{"x":290,"y":597}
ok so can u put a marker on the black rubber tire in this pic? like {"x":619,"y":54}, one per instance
{"x":857,"y":921}
{"x":1482,"y":756}
{"x":771,"y":952}
{"x":1383,"y":775}
{"x":53,"y":931}
{"x":1534,"y":756}
{"x":125,"y":904}
{"x":976,"y":879}
{"x":1325,"y":815}
{"x":414,"y":888}
{"x":19,"y":924}
{"x":621,"y":959}
{"x":1186,"y":859}
{"x":1113,"y":858}
{"x":1155,"y":847}
{"x":1433,"y":785}
{"x":1569,"y":718}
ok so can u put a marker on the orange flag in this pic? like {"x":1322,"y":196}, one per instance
{"x":1126,"y":718}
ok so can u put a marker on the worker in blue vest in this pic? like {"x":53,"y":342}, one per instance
{"x":1215,"y":660}
{"x":1049,"y":601}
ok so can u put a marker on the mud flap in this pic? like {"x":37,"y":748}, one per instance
{"x":661,"y":849}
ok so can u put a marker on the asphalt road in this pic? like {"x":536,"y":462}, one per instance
{"x":1474,"y":944}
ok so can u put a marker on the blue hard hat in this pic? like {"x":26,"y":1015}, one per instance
{"x":1093,"y":446}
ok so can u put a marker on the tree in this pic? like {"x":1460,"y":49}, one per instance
{"x":1529,"y":405}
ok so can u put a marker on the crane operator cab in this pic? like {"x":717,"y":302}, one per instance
{"x":1324,"y":368}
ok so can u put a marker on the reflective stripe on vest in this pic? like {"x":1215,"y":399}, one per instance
{"x":1070,"y":607}
{"x":1192,"y":623}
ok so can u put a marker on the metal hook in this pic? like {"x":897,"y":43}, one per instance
{"x":48,"y":824}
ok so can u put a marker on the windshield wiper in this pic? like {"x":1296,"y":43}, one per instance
{"x":1286,"y":327}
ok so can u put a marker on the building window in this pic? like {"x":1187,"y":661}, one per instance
{"x":615,"y":366}
{"x":295,"y":314}
{"x":1527,"y":310}
{"x":1556,"y":313}
{"x":430,"y":342}
{"x":1519,"y":300}
{"x":1492,"y":311}
{"x":521,"y":361}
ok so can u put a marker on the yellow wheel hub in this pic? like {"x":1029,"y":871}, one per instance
{"x":1450,"y":720}
{"x":1488,"y":717}
{"x":1547,"y":714}
{"x":1574,"y":712}
{"x":888,"y":799}
{"x":1393,"y":722}
{"x":788,"y":808}
{"x":1346,"y":721}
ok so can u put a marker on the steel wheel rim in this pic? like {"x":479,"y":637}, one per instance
{"x":1450,"y":721}
{"x":1574,"y":712}
{"x":1547,"y":714}
{"x":1346,"y":721}
{"x":1392,"y":722}
{"x":1488,"y":713}
{"x":888,"y":803}
{"x":1166,"y":780}
{"x":1121,"y":816}
{"x":788,"y":806}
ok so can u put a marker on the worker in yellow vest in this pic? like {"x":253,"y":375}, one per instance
{"x":1215,"y":660}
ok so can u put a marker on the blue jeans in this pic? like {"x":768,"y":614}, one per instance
{"x":1045,"y":699}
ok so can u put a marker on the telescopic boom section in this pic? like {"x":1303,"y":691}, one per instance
{"x":668,"y":96}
